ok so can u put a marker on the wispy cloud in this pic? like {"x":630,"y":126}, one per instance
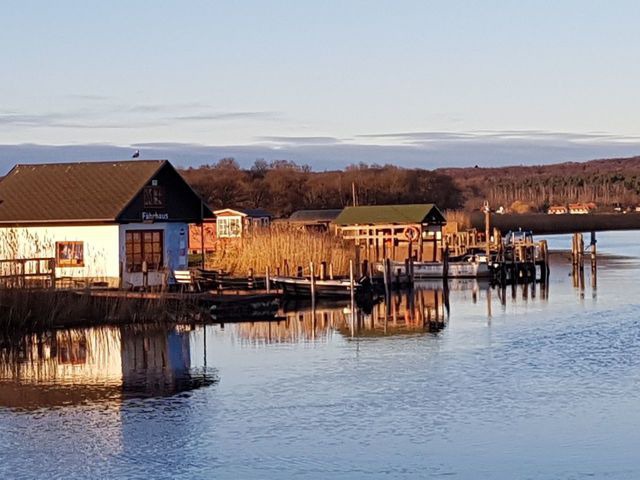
{"x":216,"y":116}
{"x":293,"y":140}
{"x":123,"y":117}
{"x":450,"y":149}
{"x":497,"y":135}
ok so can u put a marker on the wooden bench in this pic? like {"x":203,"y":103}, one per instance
{"x":186,"y":280}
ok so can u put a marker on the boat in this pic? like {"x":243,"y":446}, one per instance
{"x":301,"y":286}
{"x":470,"y":266}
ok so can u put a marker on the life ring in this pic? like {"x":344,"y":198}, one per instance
{"x":411,"y":233}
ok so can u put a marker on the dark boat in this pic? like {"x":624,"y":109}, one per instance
{"x":301,"y":287}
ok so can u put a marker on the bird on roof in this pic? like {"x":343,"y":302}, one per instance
{"x":136,"y":154}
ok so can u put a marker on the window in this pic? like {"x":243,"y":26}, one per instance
{"x":227,"y":227}
{"x":144,"y":245}
{"x":154,"y":197}
{"x":70,"y":254}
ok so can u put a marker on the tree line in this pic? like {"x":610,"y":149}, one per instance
{"x":283,"y":187}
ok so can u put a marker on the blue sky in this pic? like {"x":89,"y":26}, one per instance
{"x":329,"y":83}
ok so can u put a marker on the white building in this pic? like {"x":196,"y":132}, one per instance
{"x":102,"y":222}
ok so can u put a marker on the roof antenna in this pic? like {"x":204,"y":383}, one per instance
{"x":136,"y":154}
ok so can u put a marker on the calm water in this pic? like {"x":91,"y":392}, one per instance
{"x":507,"y":384}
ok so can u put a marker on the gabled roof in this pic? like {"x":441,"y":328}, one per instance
{"x":245,"y":212}
{"x":390,"y":214}
{"x":310,"y":216}
{"x":67,"y":192}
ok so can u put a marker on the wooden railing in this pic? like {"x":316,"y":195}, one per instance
{"x":28,"y":272}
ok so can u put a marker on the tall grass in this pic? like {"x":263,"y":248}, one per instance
{"x":23,"y":310}
{"x":278,"y":245}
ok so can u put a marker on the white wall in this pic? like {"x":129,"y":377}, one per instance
{"x":100,"y":247}
{"x":176,"y":244}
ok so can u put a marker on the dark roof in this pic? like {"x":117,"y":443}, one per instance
{"x":314,"y":216}
{"x":390,"y":214}
{"x":85,"y":191}
{"x":255,"y":212}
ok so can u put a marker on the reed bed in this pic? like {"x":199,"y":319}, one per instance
{"x":279,"y":246}
{"x":24,"y":310}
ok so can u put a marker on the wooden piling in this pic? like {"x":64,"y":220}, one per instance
{"x":267,"y":281}
{"x":313,"y":281}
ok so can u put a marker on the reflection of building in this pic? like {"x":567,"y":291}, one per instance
{"x":104,"y":364}
{"x":100,"y":222}
{"x":418,"y":312}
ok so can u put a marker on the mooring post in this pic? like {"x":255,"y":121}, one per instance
{"x":411,"y":272}
{"x":323,"y":270}
{"x":581,"y":250}
{"x":593,"y":251}
{"x":267,"y":281}
{"x":300,"y":271}
{"x":386,"y":270}
{"x":352,"y":289}
{"x":313,"y":281}
{"x":487,"y":227}
{"x":330,"y":271}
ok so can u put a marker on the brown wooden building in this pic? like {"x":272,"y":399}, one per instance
{"x":394,"y":231}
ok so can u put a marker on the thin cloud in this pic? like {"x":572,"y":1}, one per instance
{"x":292,"y":140}
{"x":215,"y":116}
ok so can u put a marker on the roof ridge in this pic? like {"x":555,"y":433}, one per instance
{"x":91,"y":162}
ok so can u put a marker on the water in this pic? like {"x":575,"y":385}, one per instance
{"x":510,"y":384}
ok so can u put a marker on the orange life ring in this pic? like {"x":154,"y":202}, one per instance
{"x":411,"y":233}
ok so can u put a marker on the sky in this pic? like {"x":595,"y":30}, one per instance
{"x":417,"y":83}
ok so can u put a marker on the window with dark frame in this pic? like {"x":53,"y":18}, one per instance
{"x":154,"y":197}
{"x":144,"y":245}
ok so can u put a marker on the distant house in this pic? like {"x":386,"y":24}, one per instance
{"x":394,"y":231}
{"x":109,"y":223}
{"x":579,"y":208}
{"x":233,"y":223}
{"x":557,"y":210}
{"x":318,"y":220}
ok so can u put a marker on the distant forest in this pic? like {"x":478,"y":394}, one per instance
{"x":283,"y":187}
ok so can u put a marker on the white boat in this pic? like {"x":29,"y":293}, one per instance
{"x":469,"y":267}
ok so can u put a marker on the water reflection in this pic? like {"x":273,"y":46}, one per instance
{"x":425,"y":309}
{"x":102,"y":364}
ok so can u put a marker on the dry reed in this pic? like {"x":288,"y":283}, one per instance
{"x":278,"y":245}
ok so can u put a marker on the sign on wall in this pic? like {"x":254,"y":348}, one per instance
{"x":154,"y":216}
{"x":70,"y":254}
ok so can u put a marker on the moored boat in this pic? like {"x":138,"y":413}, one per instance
{"x":301,"y":286}
{"x":471,"y":266}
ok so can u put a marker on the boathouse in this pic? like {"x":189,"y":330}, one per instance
{"x":394,"y":231}
{"x":122,"y":223}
